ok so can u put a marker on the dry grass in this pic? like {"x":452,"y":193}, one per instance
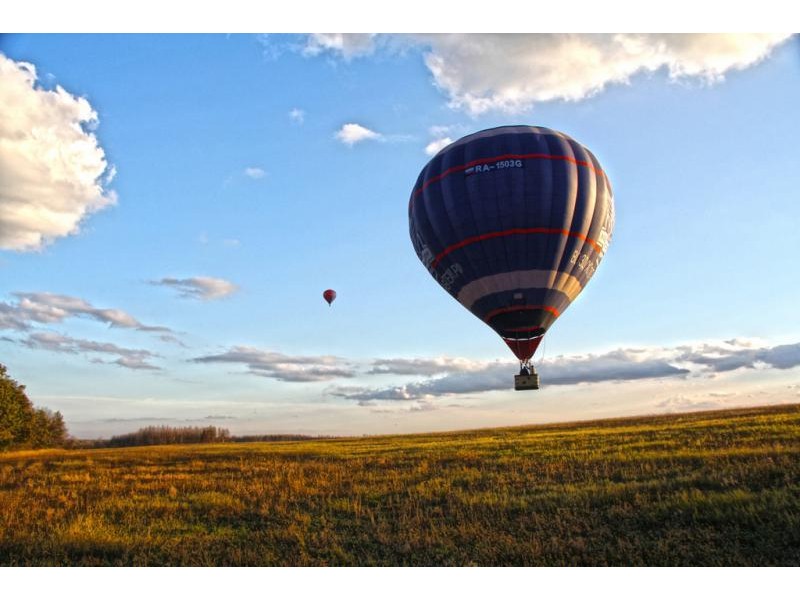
{"x":718,"y":488}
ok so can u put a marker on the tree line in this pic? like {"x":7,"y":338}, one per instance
{"x":21,"y":424}
{"x":164,"y":434}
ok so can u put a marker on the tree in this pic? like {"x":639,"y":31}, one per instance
{"x":47,"y":429}
{"x":16,"y":411}
{"x":22,"y":425}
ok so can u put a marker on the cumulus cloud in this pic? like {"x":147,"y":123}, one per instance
{"x":255,"y":172}
{"x":297,"y":115}
{"x":199,"y":288}
{"x":511,"y":72}
{"x":53,"y":172}
{"x":44,"y":307}
{"x":347,"y":45}
{"x":353,"y":133}
{"x":283,"y":367}
{"x":437,"y":144}
{"x":130,"y":358}
{"x":441,"y":138}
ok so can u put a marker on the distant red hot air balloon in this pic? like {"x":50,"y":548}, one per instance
{"x":329,"y":296}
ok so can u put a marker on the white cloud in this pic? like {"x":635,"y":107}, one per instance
{"x":423,"y":366}
{"x":353,"y":133}
{"x":511,"y":72}
{"x":447,"y":376}
{"x":729,"y":356}
{"x":255,"y":172}
{"x":133,"y":362}
{"x":13,"y":317}
{"x":44,"y":307}
{"x":130,"y":358}
{"x":347,"y":45}
{"x":53,"y":172}
{"x":297,"y":115}
{"x":199,"y":288}
{"x":282,"y":367}
{"x":428,"y":378}
{"x":441,"y":137}
{"x":437,"y":145}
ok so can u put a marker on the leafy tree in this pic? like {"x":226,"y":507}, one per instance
{"x":47,"y":429}
{"x":22,"y":425}
{"x":15,"y":411}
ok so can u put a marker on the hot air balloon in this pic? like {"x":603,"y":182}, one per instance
{"x":329,"y":295}
{"x":513,"y":222}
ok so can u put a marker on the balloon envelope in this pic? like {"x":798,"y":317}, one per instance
{"x":329,"y":296}
{"x":512,"y":222}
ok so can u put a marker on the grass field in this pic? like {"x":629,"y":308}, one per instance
{"x":717,"y":488}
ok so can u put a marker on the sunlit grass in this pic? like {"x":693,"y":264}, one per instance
{"x":718,"y":488}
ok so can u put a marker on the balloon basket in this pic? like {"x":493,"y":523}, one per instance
{"x":526,"y":382}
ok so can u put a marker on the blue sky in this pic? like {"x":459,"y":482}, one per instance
{"x":227,"y":180}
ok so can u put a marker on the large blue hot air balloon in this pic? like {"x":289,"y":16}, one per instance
{"x":512,"y":222}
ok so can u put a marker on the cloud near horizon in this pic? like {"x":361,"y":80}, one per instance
{"x":423,"y":366}
{"x":282,"y":367}
{"x":511,"y":72}
{"x":53,"y":172}
{"x":448,"y":377}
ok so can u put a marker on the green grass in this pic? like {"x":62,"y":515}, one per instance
{"x":717,"y":488}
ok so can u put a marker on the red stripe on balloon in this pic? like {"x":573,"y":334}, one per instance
{"x":521,"y":329}
{"x":516,"y":231}
{"x":481,"y":161}
{"x":507,"y":309}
